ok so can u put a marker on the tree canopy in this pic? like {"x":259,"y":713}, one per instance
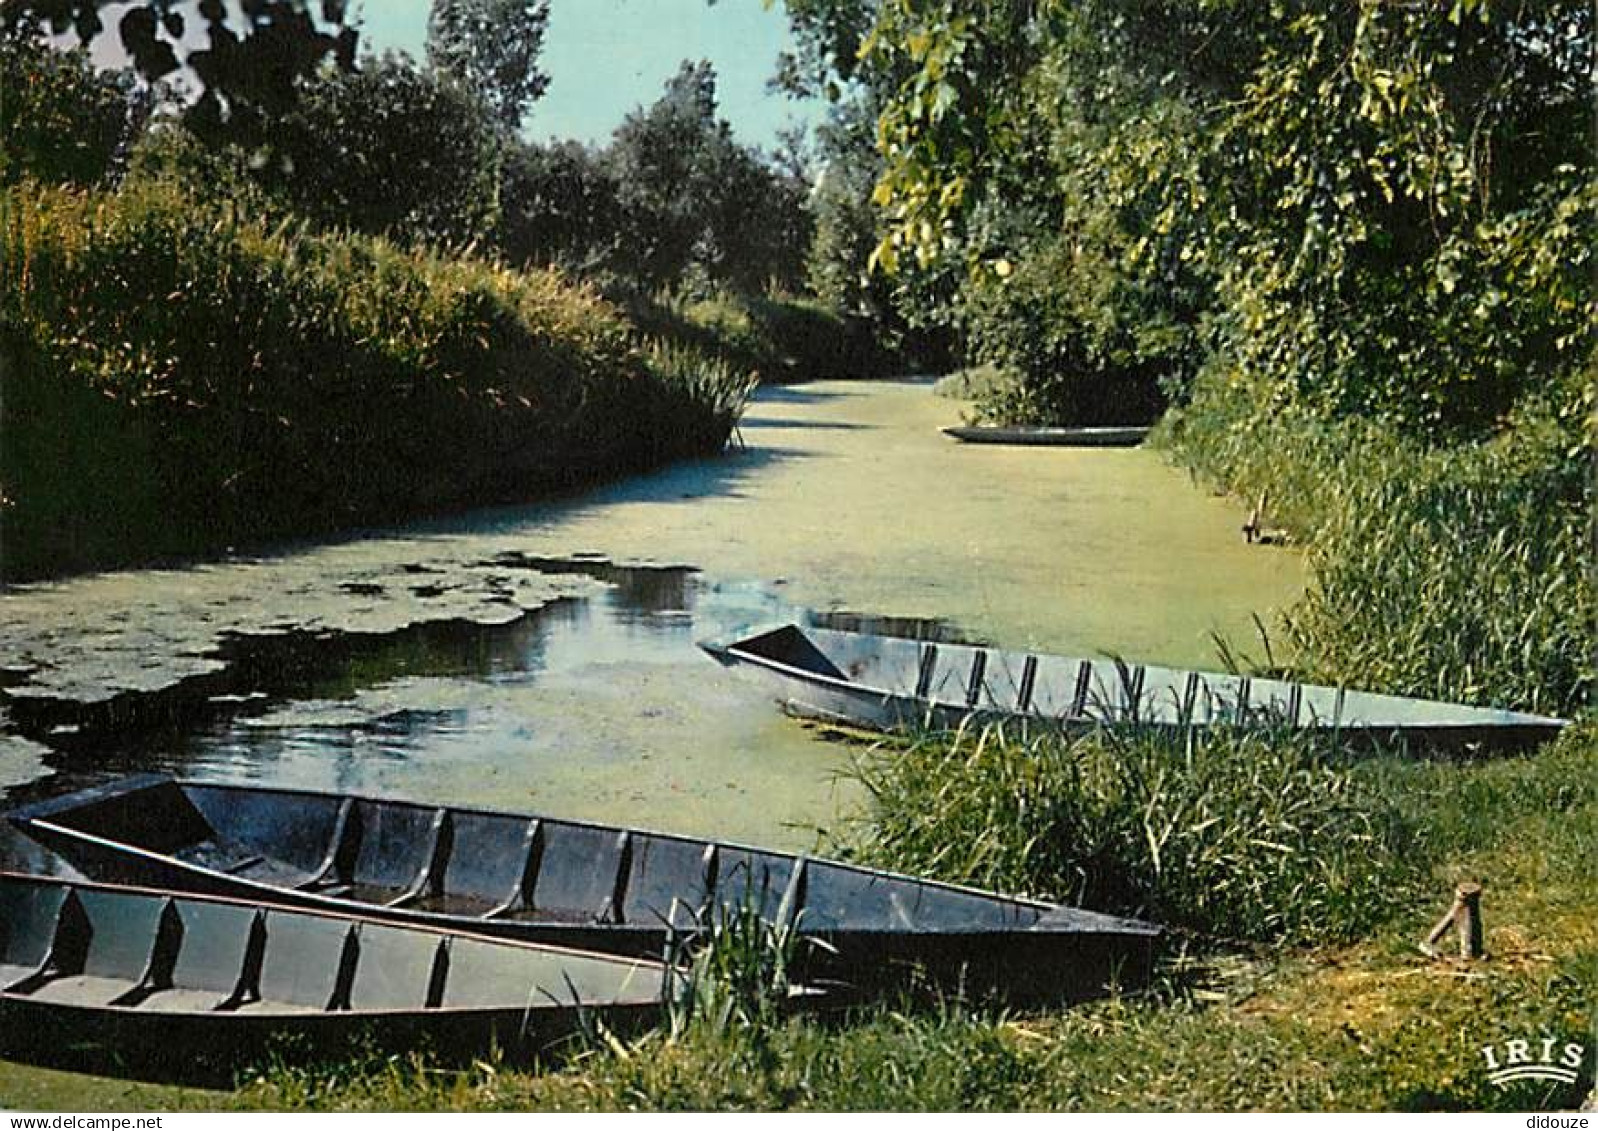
{"x":492,"y":47}
{"x":1363,"y":208}
{"x":692,"y":197}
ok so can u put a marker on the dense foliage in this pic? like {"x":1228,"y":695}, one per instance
{"x":245,"y":59}
{"x":1369,"y":209}
{"x":1445,"y":572}
{"x":59,"y":121}
{"x":280,"y":309}
{"x":1229,"y":835}
{"x":388,"y":149}
{"x":694,"y":202}
{"x":560,"y":206}
{"x":781,"y":337}
{"x":1352,"y":244}
{"x":437,"y":381}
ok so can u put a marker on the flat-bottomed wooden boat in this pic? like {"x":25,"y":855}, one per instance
{"x":586,"y":886}
{"x":885,"y":683}
{"x":192,"y":987}
{"x":1089,"y":437}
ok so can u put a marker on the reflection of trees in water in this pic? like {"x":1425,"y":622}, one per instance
{"x":140,"y":730}
{"x":934,"y":629}
{"x":641,"y":590}
{"x":328,"y":708}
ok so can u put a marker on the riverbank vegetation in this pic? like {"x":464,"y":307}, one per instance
{"x":177,"y":412}
{"x":1304,"y":1002}
{"x":368,"y":298}
{"x":1344,"y":251}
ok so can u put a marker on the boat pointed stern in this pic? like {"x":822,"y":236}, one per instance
{"x":113,"y":794}
{"x":1076,"y":919}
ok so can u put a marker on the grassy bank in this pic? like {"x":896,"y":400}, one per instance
{"x":1329,"y":1023}
{"x":181,"y":376}
{"x":1453,"y":571}
{"x":1351,"y":1016}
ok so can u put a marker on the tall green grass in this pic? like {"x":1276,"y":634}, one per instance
{"x":1293,"y":1050}
{"x":259,"y":378}
{"x":1372,"y":1025}
{"x":1457,"y":573}
{"x":1234,"y":835}
{"x":732,"y":970}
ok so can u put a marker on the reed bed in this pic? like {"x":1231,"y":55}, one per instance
{"x":1454,"y":572}
{"x":1231,"y":835}
{"x":182,"y":375}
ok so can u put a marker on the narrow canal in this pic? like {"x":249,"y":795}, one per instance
{"x":544,"y":657}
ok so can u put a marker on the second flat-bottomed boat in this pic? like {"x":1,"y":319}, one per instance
{"x":884,"y":683}
{"x":576,"y":884}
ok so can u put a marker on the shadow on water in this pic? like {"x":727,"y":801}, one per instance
{"x":596,"y":686}
{"x":636,"y":591}
{"x":789,"y":394}
{"x":721,"y":477}
{"x":754,"y":422}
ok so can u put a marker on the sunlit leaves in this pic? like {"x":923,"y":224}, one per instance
{"x":1353,"y":189}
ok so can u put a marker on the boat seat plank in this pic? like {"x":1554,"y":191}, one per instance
{"x":1028,"y":684}
{"x":925,"y":671}
{"x":454,"y":903}
{"x":244,"y":864}
{"x":429,"y":877}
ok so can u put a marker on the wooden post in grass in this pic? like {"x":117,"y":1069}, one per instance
{"x":1465,"y":917}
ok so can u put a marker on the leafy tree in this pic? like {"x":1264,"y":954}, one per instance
{"x":492,"y":47}
{"x":694,"y":199}
{"x":757,"y":223}
{"x":559,"y":206}
{"x":388,"y":149}
{"x":59,"y":119}
{"x":1365,"y":208}
{"x":827,"y":36}
{"x":661,"y":158}
{"x":255,"y":51}
{"x":846,"y":221}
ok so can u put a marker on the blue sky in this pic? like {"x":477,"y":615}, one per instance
{"x":607,"y":57}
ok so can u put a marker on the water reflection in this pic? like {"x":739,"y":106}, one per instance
{"x":602,"y":708}
{"x":636,"y":591}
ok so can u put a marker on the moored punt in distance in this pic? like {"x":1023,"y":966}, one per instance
{"x":1118,"y":436}
{"x":885,"y":683}
{"x":586,"y":886}
{"x":195,"y":988}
